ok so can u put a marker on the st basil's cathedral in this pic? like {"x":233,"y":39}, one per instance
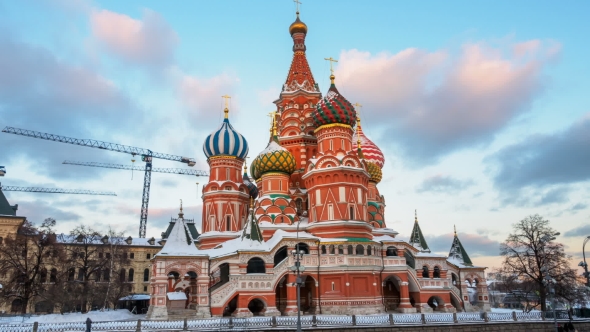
{"x":312,"y":191}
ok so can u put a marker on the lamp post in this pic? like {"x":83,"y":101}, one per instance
{"x":297,"y":268}
{"x":583,"y":263}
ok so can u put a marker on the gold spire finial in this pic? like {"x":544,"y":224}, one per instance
{"x":251,"y":202}
{"x":332,"y":77}
{"x":273,"y":123}
{"x":416,"y":216}
{"x":246,"y":164}
{"x":181,"y":205}
{"x":297,"y":3}
{"x":226,"y":110}
{"x":455,"y":227}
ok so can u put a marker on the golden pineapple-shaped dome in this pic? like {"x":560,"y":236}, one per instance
{"x":374,"y":171}
{"x":274,"y":158}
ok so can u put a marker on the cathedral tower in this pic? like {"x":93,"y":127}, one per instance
{"x":225,"y":196}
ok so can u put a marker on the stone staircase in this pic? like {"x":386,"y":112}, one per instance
{"x":180,"y":314}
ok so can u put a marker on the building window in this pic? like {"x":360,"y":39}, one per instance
{"x":425,"y":273}
{"x":122,"y":275}
{"x":330,"y":212}
{"x":351,"y":211}
{"x":436,"y":272}
{"x":227,"y":223}
{"x":106,"y":275}
{"x":333,"y":286}
{"x":43,"y":276}
{"x":331,"y":145}
{"x":148,"y":256}
{"x":227,"y":187}
{"x":131,"y":273}
{"x":360,"y":250}
{"x":369,"y":253}
{"x":323,"y":250}
{"x":342,"y":144}
{"x":71,"y":274}
{"x":145,"y":288}
{"x":341,"y":250}
{"x":53,"y":275}
{"x":132,"y":256}
{"x":100,"y":255}
{"x":146,"y":275}
{"x":227,"y":174}
{"x":332,"y":249}
{"x":256,"y":265}
{"x":350,"y":251}
{"x":391,"y":251}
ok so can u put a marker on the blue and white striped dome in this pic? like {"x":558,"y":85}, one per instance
{"x":225,"y":141}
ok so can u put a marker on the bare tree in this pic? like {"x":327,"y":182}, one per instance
{"x":24,"y":259}
{"x":531,"y":254}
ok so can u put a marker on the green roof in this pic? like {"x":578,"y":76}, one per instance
{"x":375,"y":204}
{"x":458,"y":252}
{"x":251,"y":229}
{"x":5,"y":208}
{"x":358,"y":239}
{"x":190,"y":225}
{"x":417,"y":239}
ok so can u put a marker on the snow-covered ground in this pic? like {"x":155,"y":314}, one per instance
{"x":508,"y":310}
{"x":95,"y":316}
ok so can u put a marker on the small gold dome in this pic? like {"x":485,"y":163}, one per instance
{"x":297,"y":26}
{"x":374,"y":171}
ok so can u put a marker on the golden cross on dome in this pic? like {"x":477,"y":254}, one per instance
{"x":226,"y":110}
{"x":246,"y":164}
{"x":331,"y":61}
{"x":297,"y":3}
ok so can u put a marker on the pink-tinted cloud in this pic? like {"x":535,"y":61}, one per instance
{"x":149,"y":41}
{"x":432,"y":103}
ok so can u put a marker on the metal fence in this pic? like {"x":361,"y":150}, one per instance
{"x":282,"y":322}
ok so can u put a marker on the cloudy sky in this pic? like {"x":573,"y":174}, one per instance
{"x":481,"y":109}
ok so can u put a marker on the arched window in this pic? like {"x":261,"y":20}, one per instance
{"x":280,"y":255}
{"x":146,"y":275}
{"x":256,"y":265}
{"x":302,"y":247}
{"x":391,"y":251}
{"x":323,"y":249}
{"x":425,"y":273}
{"x":43,"y":276}
{"x":131,"y":273}
{"x":106,"y":275}
{"x":53,"y":275}
{"x":369,"y":251}
{"x":332,"y":249}
{"x":454,"y":279}
{"x":341,"y":250}
{"x":360,"y":250}
{"x":122,"y":275}
{"x":350,"y":250}
{"x":409,"y":259}
{"x":436,"y":272}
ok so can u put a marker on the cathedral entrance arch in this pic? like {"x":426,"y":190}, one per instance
{"x":436,"y":303}
{"x":231,"y":306}
{"x":281,"y":295}
{"x":391,"y":292}
{"x":308,"y":293}
{"x":256,"y":307}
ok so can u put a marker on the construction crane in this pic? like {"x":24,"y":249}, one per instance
{"x":181,"y":171}
{"x":56,"y":191}
{"x":146,"y":156}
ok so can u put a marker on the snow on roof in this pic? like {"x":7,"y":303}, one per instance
{"x":460,"y":264}
{"x":385,"y":238}
{"x":135,"y":297}
{"x":179,"y":242}
{"x":176,"y":296}
{"x":72,"y":239}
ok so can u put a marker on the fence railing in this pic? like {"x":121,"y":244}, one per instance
{"x":281,"y":322}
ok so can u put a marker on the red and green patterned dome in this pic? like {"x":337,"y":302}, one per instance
{"x":334,"y":108}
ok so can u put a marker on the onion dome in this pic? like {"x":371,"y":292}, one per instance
{"x":274,"y":158}
{"x":334,"y":108}
{"x":225,"y":141}
{"x":371,"y":152}
{"x":297,"y":26}
{"x":374,"y":171}
{"x":252,"y":188}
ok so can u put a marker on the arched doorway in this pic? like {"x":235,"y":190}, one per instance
{"x":17,"y":306}
{"x":231,"y":306}
{"x":436,"y":303}
{"x":391,"y":293}
{"x":281,"y":295}
{"x":308,"y":294}
{"x":256,"y":307}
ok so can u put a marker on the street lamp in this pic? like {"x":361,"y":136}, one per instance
{"x":583,"y":263}
{"x":297,"y":268}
